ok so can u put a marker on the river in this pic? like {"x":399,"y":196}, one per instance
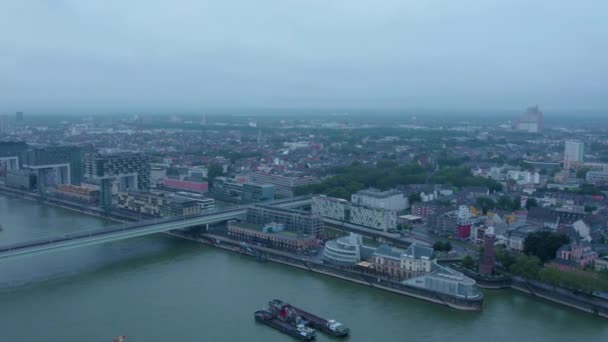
{"x":159,"y":288}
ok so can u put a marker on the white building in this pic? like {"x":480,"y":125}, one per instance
{"x":523,"y":177}
{"x":574,"y":152}
{"x":374,"y":198}
{"x":342,"y":210}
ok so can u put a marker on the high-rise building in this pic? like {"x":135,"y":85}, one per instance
{"x":132,"y":170}
{"x":55,"y":164}
{"x":12,"y":155}
{"x":574,"y":152}
{"x":19,"y":117}
{"x":531,"y":121}
{"x":5,"y":124}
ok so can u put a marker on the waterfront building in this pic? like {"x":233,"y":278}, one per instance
{"x":157,"y":205}
{"x":132,"y":170}
{"x":54,"y":165}
{"x":488,"y":260}
{"x":76,"y":193}
{"x":446,"y":280}
{"x":271,"y":234}
{"x":21,"y":179}
{"x":574,"y":152}
{"x":302,"y":223}
{"x":12,"y":155}
{"x":346,"y":250}
{"x":231,"y":190}
{"x":577,"y":254}
{"x":401,"y":264}
{"x":531,"y":121}
{"x":286,"y":183}
{"x":342,"y":210}
{"x":374,"y":198}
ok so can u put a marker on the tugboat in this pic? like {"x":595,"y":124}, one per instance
{"x":282,"y":324}
{"x":330,"y":327}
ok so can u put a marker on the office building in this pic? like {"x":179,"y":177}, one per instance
{"x":597,"y":177}
{"x":132,"y":170}
{"x":341,"y":210}
{"x":230,"y":190}
{"x":5,"y":125}
{"x":284,"y":184}
{"x":302,"y":223}
{"x":186,"y":185}
{"x":12,"y":155}
{"x":54,"y":165}
{"x":19,"y":117}
{"x":574,"y":152}
{"x":76,"y":193}
{"x":446,"y":280}
{"x":207,"y":204}
{"x":374,"y":198}
{"x":21,"y":179}
{"x":156,"y":205}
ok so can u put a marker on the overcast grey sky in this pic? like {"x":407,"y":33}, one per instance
{"x":184,"y":55}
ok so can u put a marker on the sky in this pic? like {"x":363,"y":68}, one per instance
{"x":187,"y":55}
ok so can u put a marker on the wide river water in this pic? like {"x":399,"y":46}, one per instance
{"x":159,"y":288}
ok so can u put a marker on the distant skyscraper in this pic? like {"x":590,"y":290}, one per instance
{"x":19,"y":117}
{"x":4,"y":124}
{"x":574,"y":152}
{"x":531,"y":121}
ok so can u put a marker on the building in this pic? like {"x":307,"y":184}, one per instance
{"x":207,"y":204}
{"x":346,"y":250}
{"x":285,"y":184}
{"x":272,"y":235}
{"x":577,"y":254}
{"x":303,"y":223}
{"x":531,"y":121}
{"x":5,"y":125}
{"x":523,"y":177}
{"x":19,"y":117}
{"x":574,"y":152}
{"x":132,"y":170}
{"x":402,"y":264}
{"x":374,"y":198}
{"x":186,"y":185}
{"x":342,"y":210}
{"x":156,"y":205}
{"x":230,"y":190}
{"x":601,"y":264}
{"x":21,"y":179}
{"x":487,"y":263}
{"x":446,"y":280}
{"x":279,"y":228}
{"x":76,"y":193}
{"x":597,"y":177}
{"x":12,"y":155}
{"x":55,"y":165}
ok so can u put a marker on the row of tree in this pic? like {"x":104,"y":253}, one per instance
{"x":388,"y":174}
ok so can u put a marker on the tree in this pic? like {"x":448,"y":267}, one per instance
{"x":544,"y":244}
{"x":215,"y":170}
{"x":526,"y":266}
{"x":486,"y":204}
{"x":531,"y":202}
{"x":442,"y":246}
{"x":504,"y":257}
{"x":468,"y":262}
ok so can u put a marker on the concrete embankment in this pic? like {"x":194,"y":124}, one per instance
{"x":306,"y":263}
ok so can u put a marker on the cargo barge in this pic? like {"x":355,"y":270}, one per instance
{"x":330,"y":326}
{"x":282,"y":324}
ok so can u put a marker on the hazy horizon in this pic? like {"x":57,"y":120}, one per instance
{"x":191,"y":56}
